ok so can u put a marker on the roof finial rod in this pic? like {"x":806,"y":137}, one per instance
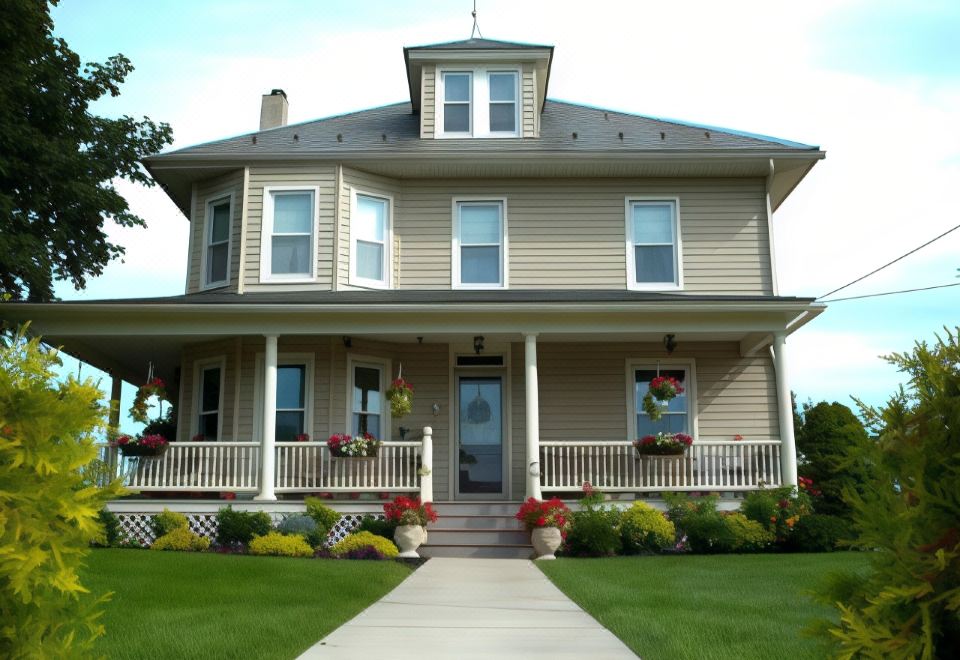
{"x":476,"y":28}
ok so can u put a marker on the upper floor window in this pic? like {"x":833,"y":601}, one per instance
{"x":370,"y":240}
{"x":216,"y":255}
{"x":288,"y":236}
{"x":653,"y":245}
{"x":479,"y":244}
{"x":479,"y":102}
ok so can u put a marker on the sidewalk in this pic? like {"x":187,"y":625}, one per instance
{"x":472,"y":608}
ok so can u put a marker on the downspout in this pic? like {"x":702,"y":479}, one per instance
{"x":337,"y":215}
{"x":241,"y":269}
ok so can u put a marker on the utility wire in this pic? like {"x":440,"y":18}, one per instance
{"x":902,"y":256}
{"x":891,"y":293}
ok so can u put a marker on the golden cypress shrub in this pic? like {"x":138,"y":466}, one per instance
{"x":275,"y":543}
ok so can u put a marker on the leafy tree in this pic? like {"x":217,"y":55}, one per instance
{"x":909,"y":513}
{"x":57,"y":160}
{"x":49,"y":512}
{"x":827,"y":432}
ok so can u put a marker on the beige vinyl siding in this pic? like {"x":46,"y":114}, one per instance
{"x":208,"y":191}
{"x":570,"y":234}
{"x":292,"y":174}
{"x":528,"y":109}
{"x":428,"y":104}
{"x":370,"y":183}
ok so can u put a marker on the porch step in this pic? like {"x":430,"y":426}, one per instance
{"x":477,"y":529}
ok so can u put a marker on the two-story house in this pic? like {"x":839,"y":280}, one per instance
{"x":530,"y":265}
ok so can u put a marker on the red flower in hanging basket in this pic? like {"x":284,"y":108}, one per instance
{"x":665,"y":388}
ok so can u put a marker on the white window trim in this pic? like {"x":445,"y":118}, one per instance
{"x":214,"y":200}
{"x":632,"y":283}
{"x":266,"y":233}
{"x":308,"y":359}
{"x":504,"y":244}
{"x":198,"y":368}
{"x":386,"y":370}
{"x":690,"y":364}
{"x":479,"y":102}
{"x":387,"y":281}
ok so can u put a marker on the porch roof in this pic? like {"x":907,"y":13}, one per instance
{"x":125,"y":336}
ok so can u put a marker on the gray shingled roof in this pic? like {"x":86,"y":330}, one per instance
{"x":478,"y":44}
{"x":564,"y":128}
{"x":444,"y":296}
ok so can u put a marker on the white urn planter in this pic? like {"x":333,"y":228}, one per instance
{"x":545,"y":541}
{"x":409,"y":538}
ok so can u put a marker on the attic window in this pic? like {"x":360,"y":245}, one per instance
{"x":479,"y":102}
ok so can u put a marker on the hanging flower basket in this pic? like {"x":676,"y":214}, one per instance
{"x":140,"y":408}
{"x":663,"y":444}
{"x":661,"y":391}
{"x":342,"y":445}
{"x":400,"y":394}
{"x":146,"y":446}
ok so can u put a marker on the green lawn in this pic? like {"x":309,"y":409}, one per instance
{"x":183,"y":605}
{"x":704,"y":607}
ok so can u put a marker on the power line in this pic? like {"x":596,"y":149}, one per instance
{"x":891,"y":293}
{"x":902,"y":256}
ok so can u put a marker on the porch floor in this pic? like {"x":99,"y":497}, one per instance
{"x":478,"y":608}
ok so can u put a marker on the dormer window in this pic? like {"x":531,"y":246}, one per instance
{"x":479,"y":102}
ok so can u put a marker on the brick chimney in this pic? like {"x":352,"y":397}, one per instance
{"x":273,"y":109}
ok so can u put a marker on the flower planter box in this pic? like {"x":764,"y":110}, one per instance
{"x":142,"y":451}
{"x":344,"y":457}
{"x":645,"y":452}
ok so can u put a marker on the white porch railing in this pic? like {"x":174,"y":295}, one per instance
{"x":191,"y":466}
{"x":309,"y":467}
{"x":616,"y":466}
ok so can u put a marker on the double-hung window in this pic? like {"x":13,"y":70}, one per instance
{"x":288,"y":237}
{"x":457,"y":102}
{"x":483,"y":102}
{"x":216,"y":255}
{"x":653,"y":245}
{"x":367,"y":399}
{"x":370,"y":240}
{"x":479,"y":244}
{"x":291,"y":401}
{"x":677,"y":417}
{"x":503,"y":102}
{"x":209,"y":399}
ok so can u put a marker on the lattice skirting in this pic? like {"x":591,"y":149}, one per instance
{"x":135,"y":527}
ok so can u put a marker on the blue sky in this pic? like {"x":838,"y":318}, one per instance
{"x":877,"y":84}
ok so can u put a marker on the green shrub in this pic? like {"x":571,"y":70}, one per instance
{"x":820,"y":533}
{"x":306,"y":527}
{"x":778,"y":509}
{"x":707,"y":532}
{"x":383,"y":528}
{"x":181,"y":538}
{"x":109,"y":537}
{"x":165,"y":522}
{"x":906,"y":512}
{"x":325,"y":517}
{"x":48,"y":515}
{"x":361,"y":540}
{"x":276,"y":544}
{"x":235,"y":527}
{"x":760,"y":506}
{"x":593,"y":533}
{"x":644,"y":529}
{"x":747,"y":535}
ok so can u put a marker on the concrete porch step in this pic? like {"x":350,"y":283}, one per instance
{"x":497,"y":508}
{"x":446,"y":536}
{"x":476,"y":522}
{"x":477,"y":551}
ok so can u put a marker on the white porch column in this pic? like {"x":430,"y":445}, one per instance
{"x":426,"y":466}
{"x":532,"y":416}
{"x":269,"y":431}
{"x":788,"y":444}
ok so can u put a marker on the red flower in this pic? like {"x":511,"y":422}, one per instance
{"x":738,"y":437}
{"x":123,"y":439}
{"x":783,"y":504}
{"x":588,"y":488}
{"x":303,"y":437}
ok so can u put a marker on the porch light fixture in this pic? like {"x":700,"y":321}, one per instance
{"x":670,"y":343}
{"x":478,"y":344}
{"x":347,"y":342}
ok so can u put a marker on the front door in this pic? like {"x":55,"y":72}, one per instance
{"x":480,"y":433}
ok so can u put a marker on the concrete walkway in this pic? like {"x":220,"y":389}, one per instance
{"x":472,"y":608}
